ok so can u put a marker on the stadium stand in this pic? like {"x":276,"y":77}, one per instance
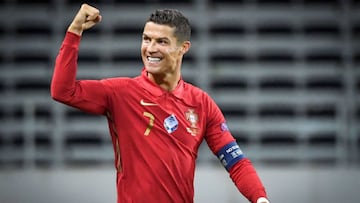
{"x":285,"y":73}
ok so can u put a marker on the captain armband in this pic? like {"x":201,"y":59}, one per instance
{"x":230,"y":154}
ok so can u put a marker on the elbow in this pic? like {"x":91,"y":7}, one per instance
{"x":53,"y":92}
{"x":57,"y":94}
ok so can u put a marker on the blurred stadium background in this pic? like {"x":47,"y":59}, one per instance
{"x":285,"y":73}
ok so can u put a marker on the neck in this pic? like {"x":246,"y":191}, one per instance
{"x":166,"y":82}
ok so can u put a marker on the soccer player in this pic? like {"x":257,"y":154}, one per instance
{"x":156,"y":120}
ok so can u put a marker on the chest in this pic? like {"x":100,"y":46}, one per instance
{"x":164,"y":118}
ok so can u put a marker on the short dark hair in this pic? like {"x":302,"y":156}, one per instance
{"x":173,"y":18}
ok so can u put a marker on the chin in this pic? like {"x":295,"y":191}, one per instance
{"x":152,"y":69}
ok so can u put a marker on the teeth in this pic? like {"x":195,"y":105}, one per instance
{"x":153,"y":59}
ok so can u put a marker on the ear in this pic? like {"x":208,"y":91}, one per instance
{"x":185,"y":47}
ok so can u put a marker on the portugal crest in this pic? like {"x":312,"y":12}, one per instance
{"x":193,"y":118}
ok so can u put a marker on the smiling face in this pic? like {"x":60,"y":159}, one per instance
{"x":161,"y":51}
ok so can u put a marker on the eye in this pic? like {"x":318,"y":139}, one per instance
{"x":146,"y":39}
{"x":163,"y":42}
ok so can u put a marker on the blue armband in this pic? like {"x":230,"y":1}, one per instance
{"x":230,"y":154}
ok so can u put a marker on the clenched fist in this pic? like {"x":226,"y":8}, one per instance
{"x":86,"y":18}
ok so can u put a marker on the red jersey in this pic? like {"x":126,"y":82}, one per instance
{"x":155,"y":133}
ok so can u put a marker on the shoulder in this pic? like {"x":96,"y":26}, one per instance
{"x":196,"y":94}
{"x":193,"y":89}
{"x":115,"y":80}
{"x":118,"y":81}
{"x":199,"y":97}
{"x":118,"y":84}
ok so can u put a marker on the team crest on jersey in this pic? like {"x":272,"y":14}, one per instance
{"x":193,"y":118}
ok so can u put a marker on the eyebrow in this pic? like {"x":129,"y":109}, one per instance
{"x":160,"y":38}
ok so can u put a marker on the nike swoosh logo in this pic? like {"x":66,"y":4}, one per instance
{"x":147,"y":104}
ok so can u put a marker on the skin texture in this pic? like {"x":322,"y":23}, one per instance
{"x":159,"y":42}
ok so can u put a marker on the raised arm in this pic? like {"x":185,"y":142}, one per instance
{"x":87,"y":95}
{"x":86,"y":18}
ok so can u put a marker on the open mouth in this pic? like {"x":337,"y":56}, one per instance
{"x":154,"y":59}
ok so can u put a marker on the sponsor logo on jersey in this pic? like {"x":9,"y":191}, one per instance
{"x":142,"y":102}
{"x":193,"y":118}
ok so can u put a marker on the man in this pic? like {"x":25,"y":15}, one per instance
{"x":156,"y":120}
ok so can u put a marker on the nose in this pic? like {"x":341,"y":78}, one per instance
{"x":152,"y":47}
